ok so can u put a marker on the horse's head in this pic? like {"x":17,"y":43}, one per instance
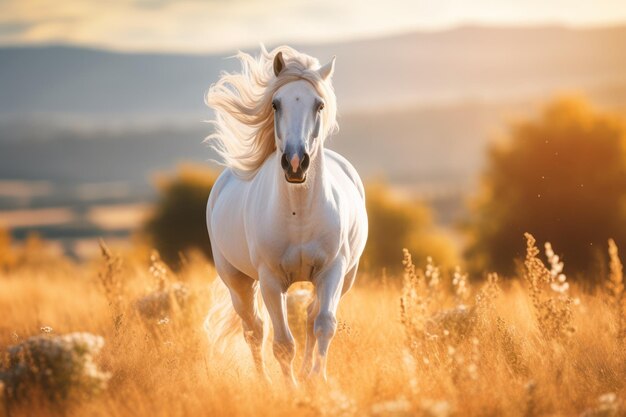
{"x":298,"y":118}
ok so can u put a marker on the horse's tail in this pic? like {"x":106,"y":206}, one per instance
{"x":222,"y":323}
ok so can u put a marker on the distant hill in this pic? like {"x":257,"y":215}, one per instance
{"x":436,"y":144}
{"x":475,"y":62}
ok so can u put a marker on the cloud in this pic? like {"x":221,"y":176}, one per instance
{"x":225,"y":25}
{"x":151,"y":4}
{"x":14,"y":28}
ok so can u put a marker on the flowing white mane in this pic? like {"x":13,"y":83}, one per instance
{"x":244,"y":118}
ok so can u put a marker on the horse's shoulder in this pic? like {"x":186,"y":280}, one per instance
{"x":221,"y":182}
{"x":347,"y":169}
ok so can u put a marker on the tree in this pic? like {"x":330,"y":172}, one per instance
{"x":8,"y":257}
{"x":179,"y":221}
{"x":396,"y":223}
{"x":561,"y":177}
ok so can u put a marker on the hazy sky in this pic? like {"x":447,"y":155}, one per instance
{"x":224,"y":25}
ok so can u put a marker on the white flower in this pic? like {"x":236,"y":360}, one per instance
{"x":608,"y":398}
{"x":396,"y":407}
{"x":436,"y":408}
{"x":559,"y":288}
{"x":58,"y":365}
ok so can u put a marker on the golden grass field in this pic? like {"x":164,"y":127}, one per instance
{"x":422,"y":344}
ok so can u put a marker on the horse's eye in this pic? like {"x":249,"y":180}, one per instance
{"x":274,"y":106}
{"x":321,"y":107}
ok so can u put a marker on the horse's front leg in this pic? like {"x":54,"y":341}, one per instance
{"x":309,"y":348}
{"x":275,"y":299}
{"x":328,"y":288}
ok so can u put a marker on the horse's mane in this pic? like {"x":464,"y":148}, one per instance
{"x":244,"y":118}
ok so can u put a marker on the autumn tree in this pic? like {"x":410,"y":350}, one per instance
{"x":396,"y":223}
{"x":561,"y":177}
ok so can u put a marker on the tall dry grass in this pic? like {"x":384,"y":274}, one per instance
{"x":430,"y":344}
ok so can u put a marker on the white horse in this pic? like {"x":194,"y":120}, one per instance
{"x":285,"y":209}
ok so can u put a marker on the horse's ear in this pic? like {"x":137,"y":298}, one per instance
{"x":327,"y":70}
{"x":279,"y":63}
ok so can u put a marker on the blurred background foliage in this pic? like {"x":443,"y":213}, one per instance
{"x":396,"y":222}
{"x":560,"y":176}
{"x":178,"y":224}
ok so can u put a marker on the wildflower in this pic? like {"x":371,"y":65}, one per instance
{"x":398,"y":407}
{"x":160,"y":303}
{"x":454,"y":322}
{"x":608,"y":405}
{"x":159,"y":270}
{"x":554,"y":313}
{"x":556,"y":266}
{"x":560,"y":288}
{"x":432,"y":273}
{"x":459,"y":282}
{"x":608,"y":398}
{"x":60,"y":366}
{"x":615,"y":287}
{"x":414,"y":303}
{"x":558,"y":282}
{"x":337,"y":403}
{"x":111,"y":282}
{"x":472,"y":370}
{"x":46,"y":329}
{"x":432,"y":408}
{"x":410,"y":366}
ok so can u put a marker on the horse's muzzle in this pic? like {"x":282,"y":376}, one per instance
{"x":295,"y":166}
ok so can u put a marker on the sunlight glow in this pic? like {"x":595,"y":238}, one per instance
{"x":200,"y":26}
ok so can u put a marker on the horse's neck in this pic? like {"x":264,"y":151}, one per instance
{"x":310,"y":194}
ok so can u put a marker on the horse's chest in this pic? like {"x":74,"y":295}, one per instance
{"x":298,"y":251}
{"x":300,"y":261}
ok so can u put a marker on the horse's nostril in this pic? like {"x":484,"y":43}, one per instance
{"x":306,"y":160}
{"x":284,"y":162}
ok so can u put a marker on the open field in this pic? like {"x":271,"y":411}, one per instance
{"x":526,"y":347}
